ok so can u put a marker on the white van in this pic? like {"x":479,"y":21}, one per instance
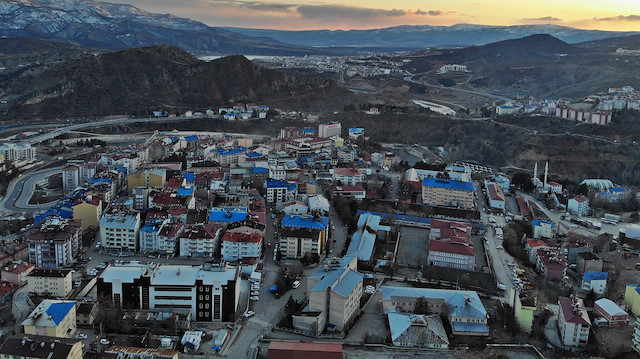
{"x":296,"y":284}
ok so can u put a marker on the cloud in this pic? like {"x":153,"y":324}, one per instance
{"x":330,"y":12}
{"x":430,"y":12}
{"x":620,"y":18}
{"x":545,"y":18}
{"x":255,"y":5}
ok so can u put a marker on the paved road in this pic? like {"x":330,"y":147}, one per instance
{"x":21,"y":189}
{"x":485,"y":94}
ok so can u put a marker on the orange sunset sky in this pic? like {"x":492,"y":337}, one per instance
{"x":618,"y":15}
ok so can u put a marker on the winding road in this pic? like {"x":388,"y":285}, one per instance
{"x":21,"y":190}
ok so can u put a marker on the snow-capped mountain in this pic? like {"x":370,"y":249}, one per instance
{"x":423,"y":36}
{"x":103,"y":25}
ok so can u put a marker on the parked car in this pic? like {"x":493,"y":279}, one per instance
{"x":82,"y":336}
{"x":255,"y":292}
{"x":104,"y":341}
{"x":296,"y":284}
{"x":254,"y":297}
{"x":249,"y":314}
{"x":502,"y":286}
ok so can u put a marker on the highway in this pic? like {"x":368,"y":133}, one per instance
{"x":21,"y":189}
{"x":484,"y":94}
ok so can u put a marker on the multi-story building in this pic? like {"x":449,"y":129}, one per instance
{"x":279,"y":191}
{"x":226,"y":157}
{"x":22,"y":346}
{"x":153,"y":178}
{"x":330,"y":129}
{"x":120,"y":230}
{"x":635,"y":343}
{"x":578,"y":205}
{"x":463,"y":309}
{"x":303,"y":234}
{"x":141,"y":198}
{"x":14,"y":152}
{"x":56,"y":283}
{"x":149,"y":234}
{"x":451,"y":254}
{"x":16,"y":273}
{"x":88,"y":210}
{"x":495,"y":197}
{"x":416,"y":330}
{"x":595,"y":281}
{"x":334,"y":291}
{"x":446,"y":192}
{"x":589,"y":262}
{"x":55,"y":242}
{"x":348,"y":176}
{"x":573,"y":322}
{"x":54,"y":318}
{"x":610,"y":311}
{"x":551,"y":264}
{"x":209,"y":292}
{"x":542,"y":229}
{"x":524,"y":307}
{"x":226,"y":215}
{"x":238,"y":246}
{"x":200,"y":240}
{"x":364,"y":239}
{"x":356,"y":192}
{"x":70,"y":179}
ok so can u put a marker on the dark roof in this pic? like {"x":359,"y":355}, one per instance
{"x":38,"y":346}
{"x":85,"y":308}
{"x":50,"y":273}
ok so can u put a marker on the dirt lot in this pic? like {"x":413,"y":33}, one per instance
{"x":614,"y":340}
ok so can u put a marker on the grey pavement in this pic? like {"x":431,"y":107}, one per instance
{"x":551,"y":328}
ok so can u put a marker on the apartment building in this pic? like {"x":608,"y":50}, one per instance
{"x":303,"y":234}
{"x":447,"y":192}
{"x":14,"y":152}
{"x":120,"y":231}
{"x":595,"y":281}
{"x":200,"y":240}
{"x":70,"y":179}
{"x":573,"y":322}
{"x":334,"y":290}
{"x":209,"y":291}
{"x":53,"y":318}
{"x":551,"y":264}
{"x":16,"y":273}
{"x":280,"y":191}
{"x":54,"y":243}
{"x":88,"y":210}
{"x":495,"y":196}
{"x":238,"y":246}
{"x":56,"y":283}
{"x":578,"y":205}
{"x":348,"y":176}
{"x":330,"y":129}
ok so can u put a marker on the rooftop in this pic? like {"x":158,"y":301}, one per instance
{"x":305,"y":222}
{"x":450,"y":247}
{"x":595,"y":276}
{"x":573,"y":311}
{"x":37,"y":346}
{"x":121,"y":220}
{"x":461,"y":303}
{"x":610,"y":307}
{"x":432,"y":329}
{"x":49,"y":313}
{"x":447,"y":183}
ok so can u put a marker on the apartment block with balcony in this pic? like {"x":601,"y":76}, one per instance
{"x":239,"y":246}
{"x":120,"y":230}
{"x":55,"y":283}
{"x":200,"y":240}
{"x":55,"y":243}
{"x":303,"y":234}
{"x":573,"y":322}
{"x":447,"y":192}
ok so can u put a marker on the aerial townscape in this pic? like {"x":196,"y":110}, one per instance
{"x":463,"y":191}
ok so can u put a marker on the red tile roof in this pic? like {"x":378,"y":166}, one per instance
{"x":448,"y":247}
{"x":495,"y":192}
{"x":347,"y":171}
{"x":571,"y":312}
{"x":581,"y":199}
{"x":242,"y":237}
{"x":177,"y":211}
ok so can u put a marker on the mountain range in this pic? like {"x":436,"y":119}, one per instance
{"x":424,"y":36}
{"x":137,"y":81}
{"x":102,"y":25}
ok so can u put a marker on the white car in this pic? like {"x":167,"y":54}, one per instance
{"x":296,"y":284}
{"x":249,"y":314}
{"x":499,"y":247}
{"x":105,"y":341}
{"x":255,"y":293}
{"x":82,"y":336}
{"x":254,"y":297}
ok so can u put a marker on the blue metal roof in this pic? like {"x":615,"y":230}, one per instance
{"x":470,"y":327}
{"x":224,"y":215}
{"x":182,"y":191}
{"x":538,"y":222}
{"x":260,"y":170}
{"x":363,"y":240}
{"x":595,"y":276}
{"x":191,"y":138}
{"x":348,"y":283}
{"x":307,"y":222}
{"x":190,"y":176}
{"x":274,"y":183}
{"x":447,"y":183}
{"x":101,"y":180}
{"x":254,"y":155}
{"x":397,"y":217}
{"x":58,"y":311}
{"x":233,"y":151}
